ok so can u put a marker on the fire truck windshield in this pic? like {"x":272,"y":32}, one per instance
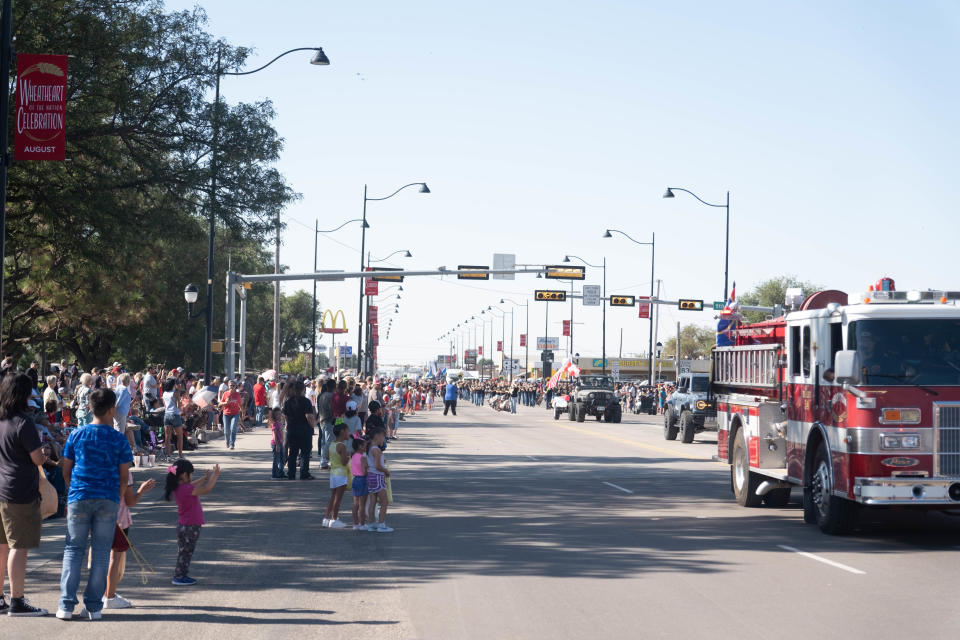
{"x":907,"y":352}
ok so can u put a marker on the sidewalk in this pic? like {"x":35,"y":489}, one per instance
{"x":265,"y":566}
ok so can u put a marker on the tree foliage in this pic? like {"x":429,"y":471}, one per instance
{"x":773,"y":292}
{"x":100,"y":247}
{"x":695,"y":342}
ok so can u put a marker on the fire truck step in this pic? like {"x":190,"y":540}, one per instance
{"x":776,"y":474}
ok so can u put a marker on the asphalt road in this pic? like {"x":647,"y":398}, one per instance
{"x":520,"y":527}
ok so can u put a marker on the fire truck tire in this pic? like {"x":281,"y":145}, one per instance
{"x":688,"y":428}
{"x":777,"y":498}
{"x":834,"y":515}
{"x":744,"y":481}
{"x":669,"y":427}
{"x":581,"y":412}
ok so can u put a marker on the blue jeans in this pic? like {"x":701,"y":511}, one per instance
{"x":513,"y":405}
{"x":325,"y":439}
{"x":230,"y":428}
{"x":87,"y":518}
{"x":261,"y":410}
{"x":279,"y":461}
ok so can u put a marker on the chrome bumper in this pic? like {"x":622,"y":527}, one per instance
{"x":904,"y":491}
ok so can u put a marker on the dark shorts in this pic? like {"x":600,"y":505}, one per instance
{"x":120,"y":540}
{"x":172,"y":420}
{"x":20,"y":524}
{"x":376,"y":483}
{"x":360,"y":486}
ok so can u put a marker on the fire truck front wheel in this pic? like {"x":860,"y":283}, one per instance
{"x":743,"y":481}
{"x":833,"y":515}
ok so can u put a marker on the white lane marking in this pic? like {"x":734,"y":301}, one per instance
{"x":824,"y":560}
{"x":532,"y":458}
{"x":616,"y":486}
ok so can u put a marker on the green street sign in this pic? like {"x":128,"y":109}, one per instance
{"x":718,"y":306}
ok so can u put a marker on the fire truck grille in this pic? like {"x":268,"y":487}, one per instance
{"x":947,"y":424}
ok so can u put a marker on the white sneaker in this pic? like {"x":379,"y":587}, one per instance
{"x":116,"y":602}
{"x":64,"y":615}
{"x":336,"y":524}
{"x":93,"y":615}
{"x":326,"y":523}
{"x":383,"y":528}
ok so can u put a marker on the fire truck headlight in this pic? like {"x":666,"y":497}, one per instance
{"x":900,"y":441}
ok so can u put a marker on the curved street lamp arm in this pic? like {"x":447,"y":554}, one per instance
{"x":594,"y":266}
{"x":628,"y":237}
{"x":246,"y":73}
{"x":719,"y":206}
{"x":372,"y":260}
{"x":340,"y":227}
{"x":412,"y":184}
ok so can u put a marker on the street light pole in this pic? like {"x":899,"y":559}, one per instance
{"x":726,"y":258}
{"x":603,"y":366}
{"x":653,"y":252}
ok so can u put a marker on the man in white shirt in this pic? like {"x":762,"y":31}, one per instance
{"x":149,"y":386}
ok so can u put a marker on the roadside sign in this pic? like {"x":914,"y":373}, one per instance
{"x":644,"y":307}
{"x":566,"y":327}
{"x":546,"y":356}
{"x":683,"y":366}
{"x":591,"y":295}
{"x":690,"y":305}
{"x":372,"y":314}
{"x":345,"y":351}
{"x":548,"y":343}
{"x":623,"y":301}
{"x":499,"y":345}
{"x":550,"y":295}
{"x":523,"y":339}
{"x":504,"y":262}
{"x":566,"y":272}
{"x":482,"y":272}
{"x":371,"y":287}
{"x":615,"y":368}
{"x":718,"y":306}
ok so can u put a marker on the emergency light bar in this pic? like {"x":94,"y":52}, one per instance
{"x":906,"y":297}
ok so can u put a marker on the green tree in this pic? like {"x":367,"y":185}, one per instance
{"x":695,"y":342}
{"x":773,"y":292}
{"x":100,"y":247}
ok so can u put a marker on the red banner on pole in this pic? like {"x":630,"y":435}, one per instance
{"x":644,"y":307}
{"x":372,"y":313}
{"x":480,"y":350}
{"x":523,"y":339}
{"x":371,"y":287}
{"x":499,"y":345}
{"x":41,"y":107}
{"x":566,"y":327}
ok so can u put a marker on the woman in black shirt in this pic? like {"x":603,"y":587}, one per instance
{"x":301,"y":419}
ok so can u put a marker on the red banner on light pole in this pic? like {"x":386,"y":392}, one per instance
{"x":371,"y":287}
{"x":523,"y":339}
{"x":499,"y":345}
{"x":566,"y":327}
{"x":41,"y":107}
{"x":372,"y":313}
{"x":644,"y":307}
{"x":480,"y":350}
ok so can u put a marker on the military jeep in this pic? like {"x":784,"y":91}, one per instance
{"x":690,"y":409}
{"x":594,"y":396}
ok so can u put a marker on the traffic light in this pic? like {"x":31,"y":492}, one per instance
{"x":548,"y":295}
{"x":482,"y":272}
{"x":566,"y":272}
{"x":690,"y":305}
{"x":623,"y":301}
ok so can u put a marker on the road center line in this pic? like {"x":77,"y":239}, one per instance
{"x":616,"y":486}
{"x":823,"y":560}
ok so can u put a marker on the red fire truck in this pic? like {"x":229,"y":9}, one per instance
{"x":856,"y":401}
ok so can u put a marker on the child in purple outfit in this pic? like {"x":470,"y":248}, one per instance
{"x":189,"y":512}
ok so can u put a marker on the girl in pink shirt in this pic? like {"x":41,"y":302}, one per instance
{"x":189,"y":512}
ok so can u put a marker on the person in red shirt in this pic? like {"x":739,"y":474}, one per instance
{"x":230,"y":405}
{"x":260,"y":399}
{"x":339,"y":400}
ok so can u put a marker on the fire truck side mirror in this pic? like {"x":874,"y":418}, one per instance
{"x":847,"y":367}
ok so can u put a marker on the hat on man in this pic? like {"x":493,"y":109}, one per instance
{"x":351,"y":406}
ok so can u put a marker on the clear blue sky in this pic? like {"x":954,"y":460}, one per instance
{"x":539,"y":124}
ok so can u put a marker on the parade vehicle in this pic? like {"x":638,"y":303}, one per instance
{"x":594,"y":396}
{"x":856,"y":402}
{"x":690,"y":408}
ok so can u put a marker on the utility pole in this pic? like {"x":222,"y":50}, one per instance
{"x":276,"y":301}
{"x":677,"y":367}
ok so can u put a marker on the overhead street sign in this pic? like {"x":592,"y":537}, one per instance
{"x":690,"y":305}
{"x":718,"y":306}
{"x":591,"y":295}
{"x":504,"y":262}
{"x":623,"y":301}
{"x":549,"y":295}
{"x":482,"y":272}
{"x":566,"y":272}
